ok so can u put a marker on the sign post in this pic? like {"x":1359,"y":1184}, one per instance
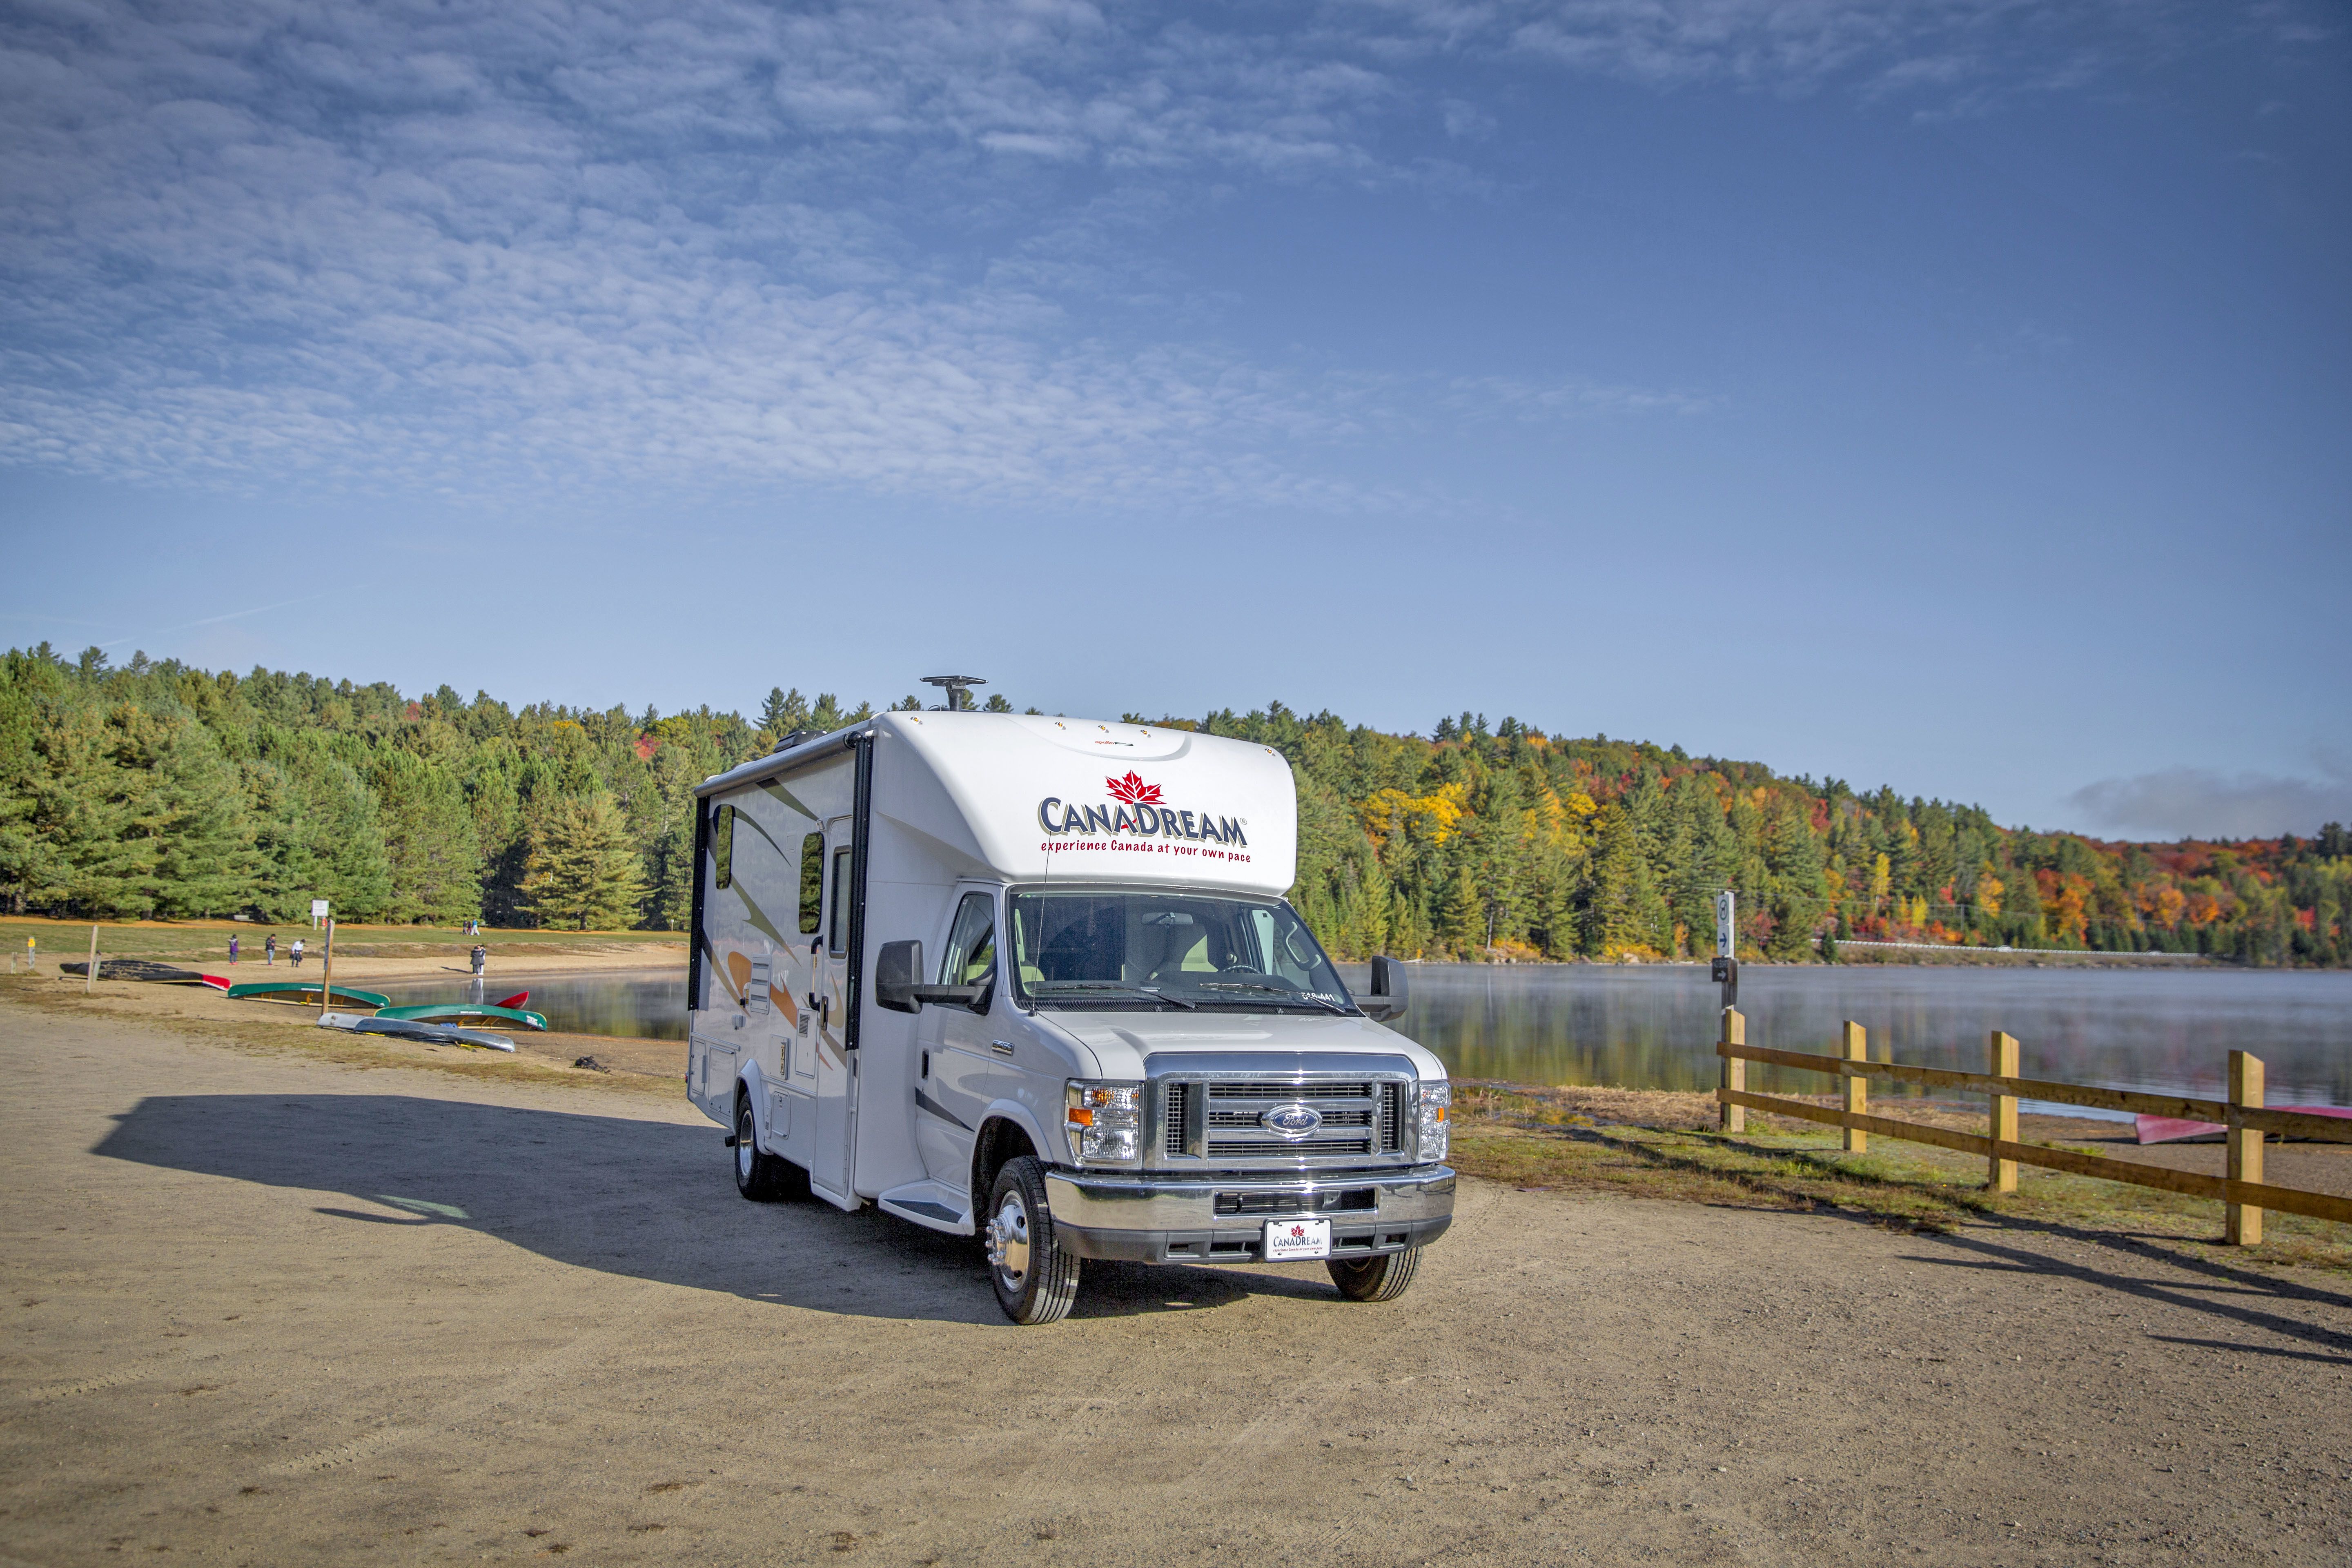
{"x":327,"y":976}
{"x":1727,"y":947}
{"x":317,"y":912}
{"x":1731,"y":1072}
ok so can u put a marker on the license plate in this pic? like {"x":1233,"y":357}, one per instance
{"x":1287,"y":1240}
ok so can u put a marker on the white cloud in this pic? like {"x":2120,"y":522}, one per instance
{"x":550,"y":242}
{"x":2200,"y":802}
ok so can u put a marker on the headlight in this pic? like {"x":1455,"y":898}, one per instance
{"x":1434,"y":1099}
{"x":1106,"y":1122}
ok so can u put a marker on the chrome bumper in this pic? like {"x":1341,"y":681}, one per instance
{"x":1192,"y":1219}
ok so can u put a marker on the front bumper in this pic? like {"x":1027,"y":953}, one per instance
{"x":1146,"y":1219}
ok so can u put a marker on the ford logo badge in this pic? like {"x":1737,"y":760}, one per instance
{"x":1292,"y":1122}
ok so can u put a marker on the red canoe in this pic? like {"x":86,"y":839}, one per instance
{"x":2173,"y":1129}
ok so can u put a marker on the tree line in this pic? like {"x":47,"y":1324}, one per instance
{"x":158,"y":790}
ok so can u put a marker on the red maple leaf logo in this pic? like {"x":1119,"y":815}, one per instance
{"x":1298,"y":1231}
{"x":1133,"y":789}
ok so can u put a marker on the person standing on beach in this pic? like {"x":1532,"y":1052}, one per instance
{"x":269,"y":952}
{"x":232,"y":948}
{"x":297,"y":952}
{"x":481,"y":957}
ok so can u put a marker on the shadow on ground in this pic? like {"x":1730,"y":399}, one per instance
{"x":652,"y":1200}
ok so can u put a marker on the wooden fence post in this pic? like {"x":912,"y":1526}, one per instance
{"x":2001,"y":1175}
{"x":1734,"y":1074}
{"x":1857,"y":1090}
{"x":89,"y":976}
{"x":2243,"y":1223}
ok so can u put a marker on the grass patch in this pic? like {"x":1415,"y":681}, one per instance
{"x":1667,"y":1145}
{"x":290,"y":1032}
{"x":67,"y":942}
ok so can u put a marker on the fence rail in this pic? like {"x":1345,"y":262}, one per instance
{"x":2243,"y":1116}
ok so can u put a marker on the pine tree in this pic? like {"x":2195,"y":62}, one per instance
{"x":1462,"y":918}
{"x":783,"y":713}
{"x":584,"y":872}
{"x":1792,"y":854}
{"x":86,"y":818}
{"x":430,"y":842}
{"x":205,"y":863}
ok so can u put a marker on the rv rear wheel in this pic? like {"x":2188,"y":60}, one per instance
{"x":762,"y":1178}
{"x":1382,"y":1278}
{"x":1035,"y":1281}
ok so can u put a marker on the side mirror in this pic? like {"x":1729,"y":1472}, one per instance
{"x":895,"y":968}
{"x":1388,"y":992}
{"x":897,"y":963}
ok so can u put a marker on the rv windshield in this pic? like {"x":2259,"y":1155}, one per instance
{"x":1142,"y":949}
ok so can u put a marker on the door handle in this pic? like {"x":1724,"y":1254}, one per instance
{"x":1001,"y":1048}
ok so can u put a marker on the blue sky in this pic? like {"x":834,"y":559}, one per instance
{"x":1956,"y":393}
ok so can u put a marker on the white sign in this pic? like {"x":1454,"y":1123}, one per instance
{"x":1724,"y":935}
{"x":1287,"y":1240}
{"x":317,"y":908}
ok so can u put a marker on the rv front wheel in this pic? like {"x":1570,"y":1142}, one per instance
{"x":1382,"y":1278}
{"x":1035,"y":1281}
{"x":762,"y":1178}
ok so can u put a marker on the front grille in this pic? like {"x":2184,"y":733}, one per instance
{"x":1259,"y":1149}
{"x":1220,"y":1117}
{"x":1392,"y":1118}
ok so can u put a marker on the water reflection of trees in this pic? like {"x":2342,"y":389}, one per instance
{"x":1653,"y":1027}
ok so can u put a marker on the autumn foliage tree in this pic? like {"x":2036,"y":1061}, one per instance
{"x":157,"y":789}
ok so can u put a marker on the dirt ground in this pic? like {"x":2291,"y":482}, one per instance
{"x":267,"y":1309}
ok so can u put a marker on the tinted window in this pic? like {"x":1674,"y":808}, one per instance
{"x":812,"y":883}
{"x":971,"y":956}
{"x":722,"y":844}
{"x":838,"y":937}
{"x":1105,"y":948}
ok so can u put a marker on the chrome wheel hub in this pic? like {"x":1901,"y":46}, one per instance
{"x":1008,"y":1239}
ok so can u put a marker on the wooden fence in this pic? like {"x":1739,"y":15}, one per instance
{"x":2244,"y":1119}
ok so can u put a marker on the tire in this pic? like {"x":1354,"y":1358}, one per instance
{"x":762,"y":1178}
{"x":1035,"y":1281}
{"x":1380,"y":1279}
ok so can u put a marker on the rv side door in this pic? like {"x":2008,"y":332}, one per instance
{"x":836,"y":1068}
{"x":963,"y":1065}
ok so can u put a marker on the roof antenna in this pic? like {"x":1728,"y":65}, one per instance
{"x":958,"y":688}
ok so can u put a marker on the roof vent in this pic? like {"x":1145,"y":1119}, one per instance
{"x":958,"y":688}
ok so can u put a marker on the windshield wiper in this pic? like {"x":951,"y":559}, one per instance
{"x":1040,"y":987}
{"x":1282,"y":991}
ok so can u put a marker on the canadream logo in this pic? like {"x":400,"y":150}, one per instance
{"x":1136,"y":808}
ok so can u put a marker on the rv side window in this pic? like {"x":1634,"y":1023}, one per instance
{"x":812,"y":883}
{"x":722,"y":844}
{"x":838,"y":937}
{"x":971,"y":956}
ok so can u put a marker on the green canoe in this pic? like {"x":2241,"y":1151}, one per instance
{"x":305,"y":992}
{"x":447,"y":1012}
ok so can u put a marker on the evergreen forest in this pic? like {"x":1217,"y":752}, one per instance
{"x":157,"y":790}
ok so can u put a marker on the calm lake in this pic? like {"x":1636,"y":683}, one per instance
{"x":1653,"y":1026}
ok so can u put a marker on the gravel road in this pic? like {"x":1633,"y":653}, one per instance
{"x":270,"y":1311}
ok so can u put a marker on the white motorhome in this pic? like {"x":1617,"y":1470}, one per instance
{"x":1035,"y":980}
